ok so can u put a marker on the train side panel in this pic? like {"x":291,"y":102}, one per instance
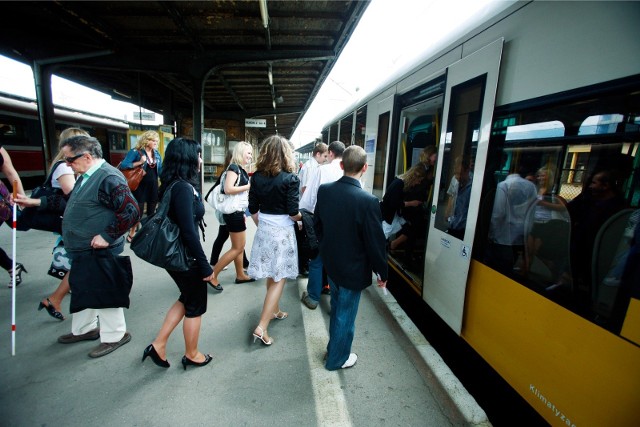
{"x":554,"y":46}
{"x":571,"y":371}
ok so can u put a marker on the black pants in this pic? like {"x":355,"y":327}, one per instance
{"x":223,"y":235}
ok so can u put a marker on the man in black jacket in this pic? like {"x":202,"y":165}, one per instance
{"x":352,"y":246}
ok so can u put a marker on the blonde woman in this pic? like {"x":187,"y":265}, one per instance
{"x":273,"y":204}
{"x":145,"y":154}
{"x":242,"y":156}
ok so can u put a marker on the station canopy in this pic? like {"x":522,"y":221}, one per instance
{"x":251,"y":59}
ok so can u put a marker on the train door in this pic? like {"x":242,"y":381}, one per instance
{"x":379,"y":112}
{"x":467,"y":114}
{"x":418,"y":128}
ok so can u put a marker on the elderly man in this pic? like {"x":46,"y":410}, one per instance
{"x":100,"y":210}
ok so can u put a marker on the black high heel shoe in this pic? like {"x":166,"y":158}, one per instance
{"x":19,"y":269}
{"x":151,"y":351}
{"x":51,"y":310}
{"x":186,"y":361}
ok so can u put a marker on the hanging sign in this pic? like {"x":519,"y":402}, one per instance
{"x":255,"y":123}
{"x":145,"y":116}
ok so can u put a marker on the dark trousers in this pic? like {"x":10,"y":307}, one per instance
{"x":5,"y":261}
{"x":223,"y":235}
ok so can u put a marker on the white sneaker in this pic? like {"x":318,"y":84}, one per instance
{"x":353,"y":358}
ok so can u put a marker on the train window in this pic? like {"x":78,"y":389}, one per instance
{"x":13,"y":133}
{"x":214,"y":146}
{"x":459,"y":154}
{"x":325,"y":136}
{"x":361,"y":120}
{"x":346,"y":130}
{"x":333,"y":133}
{"x":560,"y":198}
{"x":117,"y":141}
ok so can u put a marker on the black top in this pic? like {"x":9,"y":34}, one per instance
{"x":244,"y":176}
{"x":276,"y":195}
{"x":186,"y":210}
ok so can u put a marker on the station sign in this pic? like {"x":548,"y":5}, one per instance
{"x":255,"y":123}
{"x":145,"y":116}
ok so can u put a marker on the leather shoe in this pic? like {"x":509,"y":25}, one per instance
{"x":107,"y":347}
{"x":238,"y":281}
{"x":307,"y":301}
{"x":70,"y":338}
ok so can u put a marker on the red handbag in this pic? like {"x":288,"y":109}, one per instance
{"x":134,"y":176}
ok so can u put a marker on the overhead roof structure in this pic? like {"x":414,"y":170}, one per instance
{"x":243,"y":59}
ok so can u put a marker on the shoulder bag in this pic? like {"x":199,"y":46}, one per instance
{"x":6,"y":210}
{"x":228,"y":203}
{"x":45,"y":220}
{"x":133,"y":175}
{"x":158,"y":240}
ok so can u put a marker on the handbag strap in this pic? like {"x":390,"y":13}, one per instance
{"x":47,"y":182}
{"x":163,"y":206}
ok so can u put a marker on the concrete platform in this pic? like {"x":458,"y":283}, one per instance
{"x":399,"y":379}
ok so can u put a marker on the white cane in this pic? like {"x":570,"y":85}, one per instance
{"x":13,"y":275}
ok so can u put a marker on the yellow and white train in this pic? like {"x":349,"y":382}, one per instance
{"x":546,"y":288}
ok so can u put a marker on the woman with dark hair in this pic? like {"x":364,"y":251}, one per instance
{"x":273,"y":204}
{"x":181,"y":172}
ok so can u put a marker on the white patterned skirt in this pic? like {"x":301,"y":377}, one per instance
{"x":274,"y":253}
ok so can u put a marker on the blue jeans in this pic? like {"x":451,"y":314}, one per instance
{"x":342,"y":325}
{"x":314,"y":283}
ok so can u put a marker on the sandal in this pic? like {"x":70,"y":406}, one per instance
{"x":261,"y":336}
{"x":280,"y":315}
{"x":129,"y":238}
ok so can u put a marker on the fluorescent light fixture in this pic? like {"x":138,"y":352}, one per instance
{"x":264,"y":13}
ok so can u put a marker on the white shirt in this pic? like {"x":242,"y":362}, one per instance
{"x":62,"y":169}
{"x":324,"y":174}
{"x":307,"y":171}
{"x":513,"y":198}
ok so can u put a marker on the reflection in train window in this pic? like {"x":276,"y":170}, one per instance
{"x":535,"y":131}
{"x":461,"y":140}
{"x":361,"y":121}
{"x":568,"y":239}
{"x":600,"y":124}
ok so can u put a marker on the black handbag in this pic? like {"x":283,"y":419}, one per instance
{"x":45,"y":220}
{"x":158,"y":241}
{"x":100,"y":279}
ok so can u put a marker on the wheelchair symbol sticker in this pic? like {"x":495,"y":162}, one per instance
{"x":465,"y":251}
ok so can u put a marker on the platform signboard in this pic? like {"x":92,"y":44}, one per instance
{"x":255,"y":123}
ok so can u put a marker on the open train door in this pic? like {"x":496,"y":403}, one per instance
{"x":467,"y":115}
